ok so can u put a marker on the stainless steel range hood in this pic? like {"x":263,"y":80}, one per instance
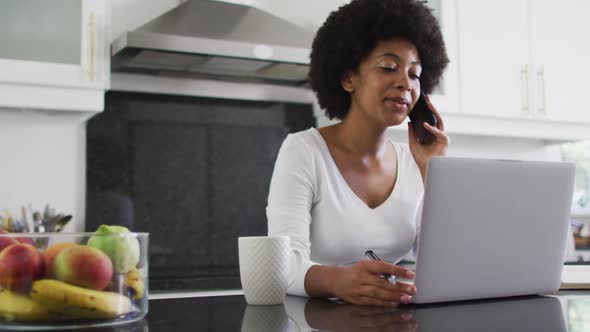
{"x":217,"y":40}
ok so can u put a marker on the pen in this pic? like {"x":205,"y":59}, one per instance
{"x":372,"y":256}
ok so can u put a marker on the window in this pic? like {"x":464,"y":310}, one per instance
{"x":579,"y":153}
{"x":577,"y":315}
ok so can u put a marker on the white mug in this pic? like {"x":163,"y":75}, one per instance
{"x":264,"y":268}
{"x":265,"y":318}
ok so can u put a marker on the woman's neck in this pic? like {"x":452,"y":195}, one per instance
{"x":361,"y":137}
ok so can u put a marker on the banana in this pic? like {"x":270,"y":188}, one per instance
{"x":79,"y":302}
{"x":135,"y":283}
{"x":15,"y":306}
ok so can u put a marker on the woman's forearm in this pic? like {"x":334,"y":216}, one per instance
{"x":319,"y":280}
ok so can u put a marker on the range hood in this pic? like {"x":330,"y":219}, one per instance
{"x":217,"y":40}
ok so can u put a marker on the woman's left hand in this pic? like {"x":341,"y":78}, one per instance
{"x":422,"y":153}
{"x":325,"y":315}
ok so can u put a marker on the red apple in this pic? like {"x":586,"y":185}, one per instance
{"x":51,"y":253}
{"x":5,"y":241}
{"x":20,"y":265}
{"x":83,"y":266}
{"x":26,"y":240}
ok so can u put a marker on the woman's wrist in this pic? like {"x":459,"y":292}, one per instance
{"x":423,"y":167}
{"x":319,"y":281}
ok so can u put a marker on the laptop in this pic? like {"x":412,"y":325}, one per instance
{"x":528,"y":313}
{"x":492,"y":228}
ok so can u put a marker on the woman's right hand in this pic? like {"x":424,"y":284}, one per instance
{"x":363,"y":284}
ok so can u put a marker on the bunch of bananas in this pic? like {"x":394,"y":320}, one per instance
{"x":14,"y":306}
{"x":76,"y":301}
{"x":135,"y":283}
{"x":50,"y":299}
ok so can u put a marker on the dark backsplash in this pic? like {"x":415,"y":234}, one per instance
{"x":193,"y":172}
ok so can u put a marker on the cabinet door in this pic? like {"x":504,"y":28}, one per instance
{"x":560,"y":44}
{"x":493,"y":47}
{"x":445,"y":95}
{"x":55,"y":43}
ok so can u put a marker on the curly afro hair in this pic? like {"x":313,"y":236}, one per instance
{"x":350,"y":34}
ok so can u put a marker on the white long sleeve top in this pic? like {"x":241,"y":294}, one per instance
{"x":310,"y":201}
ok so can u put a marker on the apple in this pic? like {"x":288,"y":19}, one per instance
{"x":26,"y":240}
{"x":20,"y":265}
{"x":51,"y":253}
{"x":83,"y":266}
{"x":6,"y":241}
{"x":117,"y":243}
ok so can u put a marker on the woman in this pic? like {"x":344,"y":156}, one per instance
{"x":340,"y":190}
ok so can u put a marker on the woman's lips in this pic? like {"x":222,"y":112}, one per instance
{"x":397,"y":104}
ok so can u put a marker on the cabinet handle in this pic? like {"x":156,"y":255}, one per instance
{"x":541,"y":88}
{"x":91,"y":46}
{"x":524,"y":88}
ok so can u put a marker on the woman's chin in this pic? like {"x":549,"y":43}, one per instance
{"x":395,"y":120}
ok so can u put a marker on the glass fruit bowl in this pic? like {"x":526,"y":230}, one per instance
{"x":70,"y":280}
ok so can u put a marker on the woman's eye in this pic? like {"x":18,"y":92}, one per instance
{"x":388,"y":68}
{"x":414,"y":76}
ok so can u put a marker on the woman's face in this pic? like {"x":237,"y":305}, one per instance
{"x":386,"y":85}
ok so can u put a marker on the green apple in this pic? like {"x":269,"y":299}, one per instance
{"x":121,"y":247}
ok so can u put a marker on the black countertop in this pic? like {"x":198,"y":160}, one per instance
{"x":567,"y":311}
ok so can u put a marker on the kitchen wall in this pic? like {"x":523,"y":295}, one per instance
{"x":43,"y":154}
{"x":43,"y":159}
{"x":496,"y":147}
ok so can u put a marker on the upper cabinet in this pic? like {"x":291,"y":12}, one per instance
{"x":522,"y":59}
{"x":54,"y":54}
{"x":560,"y":55}
{"x":521,"y":71}
{"x":494,"y":57}
{"x":445,"y":96}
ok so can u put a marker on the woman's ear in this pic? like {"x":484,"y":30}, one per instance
{"x":347,"y":83}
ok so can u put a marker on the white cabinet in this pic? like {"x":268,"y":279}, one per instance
{"x":524,"y":59}
{"x":445,"y":96}
{"x":54,"y":54}
{"x":560,"y":52}
{"x":494,"y":57}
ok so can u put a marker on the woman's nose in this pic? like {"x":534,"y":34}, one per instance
{"x":403,"y":82}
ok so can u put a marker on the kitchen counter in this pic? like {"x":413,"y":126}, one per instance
{"x":562,"y":311}
{"x":227,"y":310}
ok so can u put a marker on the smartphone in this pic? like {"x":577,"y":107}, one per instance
{"x":421,"y":113}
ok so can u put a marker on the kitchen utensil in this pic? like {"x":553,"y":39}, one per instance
{"x":50,"y":222}
{"x":19,"y":226}
{"x":61,"y":223}
{"x":8,"y":222}
{"x":27,"y":219}
{"x":56,"y":223}
{"x":38,"y":222}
